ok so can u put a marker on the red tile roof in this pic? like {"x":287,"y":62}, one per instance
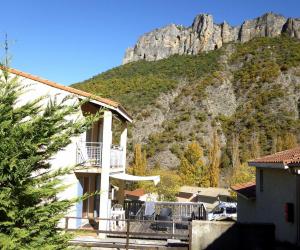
{"x":285,"y":157}
{"x":247,"y":190}
{"x":70,"y":90}
{"x":137,"y":192}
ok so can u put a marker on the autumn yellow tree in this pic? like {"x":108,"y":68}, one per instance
{"x":289,"y":141}
{"x":283,"y":142}
{"x":139,"y":164}
{"x":167,"y":188}
{"x":214,"y":161}
{"x":192,"y":169}
{"x":243,"y":174}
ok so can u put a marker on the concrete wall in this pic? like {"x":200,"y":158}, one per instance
{"x":246,"y":209}
{"x":204,"y":233}
{"x":279,"y":188}
{"x":215,"y":235}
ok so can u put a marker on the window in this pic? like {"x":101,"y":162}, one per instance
{"x":230,"y":210}
{"x":261,"y":180}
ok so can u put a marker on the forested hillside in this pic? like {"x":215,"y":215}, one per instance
{"x":245,"y":93}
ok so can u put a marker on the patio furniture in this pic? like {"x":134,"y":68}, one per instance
{"x":164,"y":215}
{"x":149,"y":210}
{"x":118,"y":217}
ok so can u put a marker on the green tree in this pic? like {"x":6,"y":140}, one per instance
{"x":192,"y":170}
{"x":30,"y":135}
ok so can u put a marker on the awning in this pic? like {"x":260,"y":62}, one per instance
{"x":129,"y":177}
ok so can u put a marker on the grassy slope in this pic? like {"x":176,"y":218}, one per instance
{"x":138,"y":84}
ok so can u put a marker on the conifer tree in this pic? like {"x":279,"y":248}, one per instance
{"x":214,"y":161}
{"x":192,"y":170}
{"x":279,"y":144}
{"x":235,"y":151}
{"x":30,"y":135}
{"x":255,"y":146}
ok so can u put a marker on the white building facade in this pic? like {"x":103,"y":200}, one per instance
{"x":93,"y":150}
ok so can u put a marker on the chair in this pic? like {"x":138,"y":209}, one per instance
{"x":117,"y":213}
{"x":117,"y":207}
{"x":164,"y":215}
{"x":149,"y":210}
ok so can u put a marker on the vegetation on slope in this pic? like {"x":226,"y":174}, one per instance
{"x":263,"y":121}
{"x":138,"y":84}
{"x":262,"y":118}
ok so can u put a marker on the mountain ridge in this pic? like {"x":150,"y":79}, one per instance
{"x":205,"y":35}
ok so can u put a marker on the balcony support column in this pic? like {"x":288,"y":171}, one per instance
{"x":123,"y":144}
{"x":104,"y":208}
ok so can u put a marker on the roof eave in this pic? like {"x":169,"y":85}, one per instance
{"x":119,"y":110}
{"x":275,"y":165}
{"x":252,"y":198}
{"x":80,"y":94}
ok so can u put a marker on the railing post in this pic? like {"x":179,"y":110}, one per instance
{"x":127,"y":234}
{"x":173,"y":228}
{"x":67,"y":223}
{"x":190,"y":234}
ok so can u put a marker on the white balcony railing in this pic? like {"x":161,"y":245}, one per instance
{"x":89,"y":154}
{"x":116,"y":157}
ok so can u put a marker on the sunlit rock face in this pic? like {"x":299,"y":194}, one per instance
{"x":205,"y":35}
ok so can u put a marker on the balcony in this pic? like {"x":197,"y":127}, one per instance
{"x":89,"y":154}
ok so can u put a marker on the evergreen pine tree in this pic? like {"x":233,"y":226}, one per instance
{"x":30,"y":135}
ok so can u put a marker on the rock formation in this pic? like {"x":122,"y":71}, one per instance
{"x":205,"y":35}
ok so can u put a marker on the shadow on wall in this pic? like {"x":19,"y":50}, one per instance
{"x":246,"y":237}
{"x":232,"y":236}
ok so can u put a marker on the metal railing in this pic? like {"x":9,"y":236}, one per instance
{"x":89,"y":154}
{"x":116,"y":157}
{"x":192,"y":210}
{"x":133,"y":229}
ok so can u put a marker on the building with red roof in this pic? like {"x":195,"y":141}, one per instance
{"x":275,"y":195}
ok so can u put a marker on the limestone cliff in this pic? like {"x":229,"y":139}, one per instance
{"x":205,"y":35}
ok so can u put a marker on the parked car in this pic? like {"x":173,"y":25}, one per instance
{"x":223,"y":211}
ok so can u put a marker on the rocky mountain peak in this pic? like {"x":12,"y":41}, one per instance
{"x":205,"y":35}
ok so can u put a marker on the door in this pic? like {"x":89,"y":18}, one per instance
{"x":94,"y":134}
{"x":88,"y":183}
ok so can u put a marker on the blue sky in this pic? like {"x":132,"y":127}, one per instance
{"x":71,"y":40}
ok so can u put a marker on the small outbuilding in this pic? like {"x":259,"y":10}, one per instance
{"x":210,"y":196}
{"x":275,"y":195}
